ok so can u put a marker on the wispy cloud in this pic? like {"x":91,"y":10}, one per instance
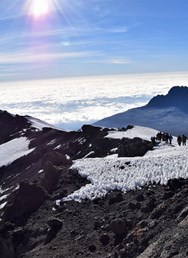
{"x":115,"y":61}
{"x":118,"y":30}
{"x":119,"y":61}
{"x":10,"y":17}
{"x":18,"y":58}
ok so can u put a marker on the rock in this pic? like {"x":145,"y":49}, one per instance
{"x":10,"y":125}
{"x":90,"y":130}
{"x":6,"y":227}
{"x":6,"y":248}
{"x":174,"y":184}
{"x":97,"y":225}
{"x":134,"y":147}
{"x":26,"y":201}
{"x":134,"y":206}
{"x":51,"y":177}
{"x":92,"y":248}
{"x":146,"y":223}
{"x":119,"y":226}
{"x":143,"y":223}
{"x":115,"y":199}
{"x":17,"y":236}
{"x":140,"y":197}
{"x":183,"y":213}
{"x":167,"y":195}
{"x":55,"y":223}
{"x":158,"y":211}
{"x":56,"y":158}
{"x":104,"y":239}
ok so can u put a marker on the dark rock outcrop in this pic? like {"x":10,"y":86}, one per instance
{"x":11,"y":125}
{"x":134,"y":147}
{"x":56,"y":158}
{"x":27,"y":200}
{"x":6,"y":248}
{"x":54,"y":226}
{"x":51,"y":177}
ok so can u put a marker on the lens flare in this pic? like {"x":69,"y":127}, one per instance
{"x":41,"y":8}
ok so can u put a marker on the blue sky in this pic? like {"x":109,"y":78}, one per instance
{"x":92,"y":37}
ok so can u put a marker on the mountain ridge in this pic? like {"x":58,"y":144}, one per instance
{"x":167,"y":113}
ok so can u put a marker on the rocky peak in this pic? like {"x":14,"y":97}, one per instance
{"x":177,"y":97}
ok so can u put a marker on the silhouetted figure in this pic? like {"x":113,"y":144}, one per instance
{"x":170,"y":138}
{"x":179,"y":140}
{"x":184,"y":139}
{"x":153,"y":140}
{"x":159,"y":136}
{"x":166,"y":137}
{"x":163,"y":137}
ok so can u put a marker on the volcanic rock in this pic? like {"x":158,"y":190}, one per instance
{"x":27,"y":200}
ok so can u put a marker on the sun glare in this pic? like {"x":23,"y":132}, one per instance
{"x":40,"y":8}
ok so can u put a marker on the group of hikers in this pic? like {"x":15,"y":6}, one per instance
{"x":167,"y":138}
{"x":182,"y":140}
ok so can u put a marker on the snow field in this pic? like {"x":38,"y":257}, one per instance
{"x":124,"y":174}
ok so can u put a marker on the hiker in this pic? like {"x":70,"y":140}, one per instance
{"x":170,"y":139}
{"x":166,"y":137}
{"x":159,"y":136}
{"x":163,"y":137}
{"x":153,"y":140}
{"x":179,"y":140}
{"x":184,"y":139}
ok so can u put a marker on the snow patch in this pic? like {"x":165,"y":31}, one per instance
{"x":3,"y":205}
{"x":137,"y":131}
{"x":87,"y":155}
{"x":14,"y":149}
{"x":3,"y":197}
{"x":81,"y":140}
{"x":67,"y":157}
{"x":39,"y":124}
{"x":124,"y":174}
{"x":51,"y":142}
{"x":59,"y":146}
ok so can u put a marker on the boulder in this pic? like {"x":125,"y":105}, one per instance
{"x":117,"y":198}
{"x":51,"y":177}
{"x":90,"y":130}
{"x":56,"y":158}
{"x":119,"y":226}
{"x":104,"y":239}
{"x":174,"y":184}
{"x":134,"y":147}
{"x":27,"y":200}
{"x":55,"y":223}
{"x":54,"y":226}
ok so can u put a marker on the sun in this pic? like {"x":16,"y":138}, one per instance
{"x":40,"y":8}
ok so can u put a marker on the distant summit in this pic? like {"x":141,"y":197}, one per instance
{"x":176,"y":97}
{"x":168,"y":113}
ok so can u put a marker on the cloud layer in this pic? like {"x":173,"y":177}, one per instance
{"x":69,"y":103}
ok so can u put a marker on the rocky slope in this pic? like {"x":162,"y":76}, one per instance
{"x":149,"y":222}
{"x":166,"y":113}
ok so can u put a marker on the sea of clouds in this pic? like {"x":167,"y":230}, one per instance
{"x":70,"y":103}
